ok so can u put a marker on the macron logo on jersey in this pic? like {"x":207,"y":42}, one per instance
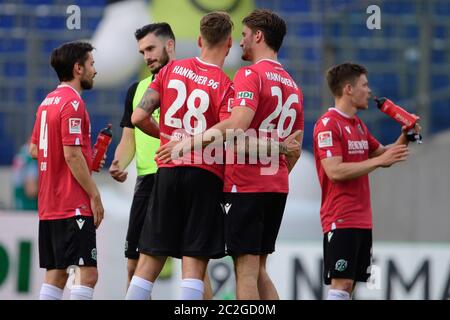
{"x":75,"y":105}
{"x":348,"y":129}
{"x":75,"y":126}
{"x":247,"y":72}
{"x":325,"y":139}
{"x":325,"y":121}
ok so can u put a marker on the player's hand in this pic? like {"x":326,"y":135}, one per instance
{"x":394,"y":154}
{"x":102,"y":163}
{"x":116,"y":172}
{"x":173,"y":150}
{"x":417,"y":129}
{"x":166,"y":153}
{"x":97,"y":209}
{"x":291,"y":145}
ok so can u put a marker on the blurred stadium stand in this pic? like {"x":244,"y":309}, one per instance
{"x":408,"y":60}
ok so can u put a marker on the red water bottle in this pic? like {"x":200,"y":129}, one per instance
{"x":101,"y":146}
{"x":401,"y":116}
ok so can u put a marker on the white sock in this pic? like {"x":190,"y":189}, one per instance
{"x":192,"y":289}
{"x":81,"y":293}
{"x":335,"y":294}
{"x":139,"y":289}
{"x":49,"y":292}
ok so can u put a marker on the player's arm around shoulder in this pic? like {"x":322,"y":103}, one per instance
{"x":78,"y":167}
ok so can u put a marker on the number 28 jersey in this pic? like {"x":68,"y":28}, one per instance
{"x":61,"y":120}
{"x":194,"y":96}
{"x":267,"y":89}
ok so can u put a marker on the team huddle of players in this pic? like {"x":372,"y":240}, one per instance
{"x":223,"y":153}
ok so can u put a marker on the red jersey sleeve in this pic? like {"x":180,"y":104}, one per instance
{"x":227,"y":101}
{"x":327,"y":137}
{"x":72,"y":122}
{"x":300,"y":120}
{"x":247,"y":86}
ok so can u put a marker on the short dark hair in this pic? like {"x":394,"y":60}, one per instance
{"x":270,"y":24}
{"x":216,"y":27}
{"x":160,"y":29}
{"x":340,"y":75}
{"x":65,"y":56}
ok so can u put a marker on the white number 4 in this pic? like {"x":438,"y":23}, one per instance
{"x":43,"y":139}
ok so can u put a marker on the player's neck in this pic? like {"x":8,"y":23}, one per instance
{"x":213,"y":56}
{"x":345,"y":107}
{"x":74,"y":84}
{"x":264,"y":53}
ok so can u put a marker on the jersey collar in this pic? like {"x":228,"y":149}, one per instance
{"x":270,"y":60}
{"x":208,"y":64}
{"x":69,"y":86}
{"x":340,"y":112}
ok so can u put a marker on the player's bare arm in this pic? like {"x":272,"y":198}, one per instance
{"x":124,"y":154}
{"x":142,"y":118}
{"x":338,"y":171}
{"x":292,"y":148}
{"x":240,"y":119}
{"x":33,"y":150}
{"x":79,"y":169}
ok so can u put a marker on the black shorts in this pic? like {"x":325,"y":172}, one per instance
{"x":142,"y":191}
{"x":185,"y":217}
{"x":252,"y":222}
{"x":347,"y":254}
{"x":67,"y":242}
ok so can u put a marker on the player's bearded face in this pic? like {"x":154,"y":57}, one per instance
{"x":246,"y":44}
{"x":87,"y":77}
{"x":157,"y":64}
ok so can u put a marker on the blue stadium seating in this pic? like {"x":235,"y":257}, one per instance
{"x":37,"y":2}
{"x":17,"y":69}
{"x":12,"y":45}
{"x":442,"y":7}
{"x":440,"y":116}
{"x":6,"y":21}
{"x":440,"y":81}
{"x":295,"y":6}
{"x":51,"y":22}
{"x":91,"y":3}
{"x":307,"y":29}
{"x":439,"y":32}
{"x":398,"y":7}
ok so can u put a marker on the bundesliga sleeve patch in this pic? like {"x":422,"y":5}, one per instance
{"x":75,"y":126}
{"x":325,"y":139}
{"x":245,"y":95}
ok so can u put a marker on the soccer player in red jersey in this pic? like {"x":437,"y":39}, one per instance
{"x":193,"y":95}
{"x":345,"y":153}
{"x":269,"y":105}
{"x":267,"y":100}
{"x":69,"y":203}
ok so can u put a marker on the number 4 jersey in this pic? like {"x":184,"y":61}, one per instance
{"x":61,"y":120}
{"x":266,"y":88}
{"x":194,"y":96}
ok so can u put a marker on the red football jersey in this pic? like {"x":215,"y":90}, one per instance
{"x":194,"y":96}
{"x":344,"y":204}
{"x":61,"y":120}
{"x":270,"y":91}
